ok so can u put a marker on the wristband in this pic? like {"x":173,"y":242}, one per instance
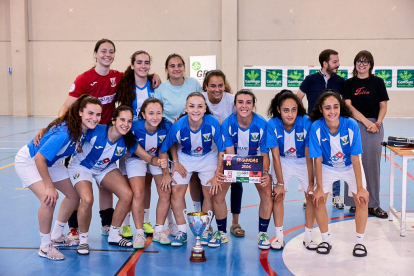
{"x":265,"y":172}
{"x":174,"y":161}
{"x":280,"y":184}
{"x":378,"y":125}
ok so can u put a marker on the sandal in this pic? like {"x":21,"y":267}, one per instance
{"x":324,"y":248}
{"x":310,"y":245}
{"x":378,"y":212}
{"x":352,"y":209}
{"x":83,"y":249}
{"x":122,"y":243}
{"x":358,"y":248}
{"x":237,"y":231}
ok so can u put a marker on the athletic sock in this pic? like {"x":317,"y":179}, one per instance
{"x":127,"y":219}
{"x":146,"y":215}
{"x":182,"y":227}
{"x":83,"y":237}
{"x":308,"y":234}
{"x":222,"y":224}
{"x":263,"y":224}
{"x":44,"y":239}
{"x":359,"y":238}
{"x":170,"y":216}
{"x":106,"y":216}
{"x":326,"y":237}
{"x":140,"y":231}
{"x":57,"y":230}
{"x":279,"y":233}
{"x":197,"y":206}
{"x":114,"y":234}
{"x":158,"y":228}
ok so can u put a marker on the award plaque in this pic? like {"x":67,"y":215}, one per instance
{"x":242,"y":169}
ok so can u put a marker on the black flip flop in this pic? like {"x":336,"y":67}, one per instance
{"x":359,"y":247}
{"x":325,"y":246}
{"x":122,"y":243}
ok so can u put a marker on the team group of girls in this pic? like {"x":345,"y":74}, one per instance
{"x":195,"y":129}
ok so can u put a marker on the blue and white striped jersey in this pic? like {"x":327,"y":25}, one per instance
{"x":291,"y":143}
{"x":55,"y":145}
{"x":336,"y":150}
{"x":97,"y":151}
{"x":249,"y":141}
{"x":141,"y":94}
{"x":150,"y":142}
{"x":207,"y":140}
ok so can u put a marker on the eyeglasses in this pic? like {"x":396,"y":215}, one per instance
{"x":364,"y":62}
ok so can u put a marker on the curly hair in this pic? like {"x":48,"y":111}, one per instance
{"x":126,"y":91}
{"x":72,"y":118}
{"x":278,"y":100}
{"x":317,"y":113}
{"x":216,"y":73}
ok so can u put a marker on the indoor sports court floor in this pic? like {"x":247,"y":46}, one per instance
{"x":388,"y":253}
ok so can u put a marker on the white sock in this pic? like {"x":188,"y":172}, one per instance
{"x":114,"y":234}
{"x":140,"y":231}
{"x":359,"y":238}
{"x":197,"y":206}
{"x":326,"y":237}
{"x":127,"y":219}
{"x":182,"y":228}
{"x":308,"y":234}
{"x":83,"y":237}
{"x":279,"y":233}
{"x":146,"y":215}
{"x":58,"y":229}
{"x":170,"y":216}
{"x":44,"y":239}
{"x":158,"y":228}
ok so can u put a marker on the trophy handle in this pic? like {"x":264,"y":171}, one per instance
{"x":185,"y":212}
{"x":210,"y":218}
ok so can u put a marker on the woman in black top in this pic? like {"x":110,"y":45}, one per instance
{"x":366,"y":96}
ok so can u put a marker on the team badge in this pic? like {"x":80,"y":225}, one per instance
{"x":161,"y":138}
{"x":207,"y":137}
{"x":254,"y":136}
{"x":76,"y":175}
{"x":113,"y":82}
{"x":72,"y":88}
{"x":119,"y":151}
{"x":344,"y":140}
{"x":300,"y":137}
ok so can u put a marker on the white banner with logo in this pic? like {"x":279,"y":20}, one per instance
{"x":396,"y":78}
{"x":200,"y":65}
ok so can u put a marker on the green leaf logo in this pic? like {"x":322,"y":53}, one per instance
{"x":196,"y":65}
{"x":385,"y":75}
{"x":405,"y":78}
{"x":252,"y":77}
{"x":273,"y":78}
{"x":343,"y":74}
{"x":295,"y":77}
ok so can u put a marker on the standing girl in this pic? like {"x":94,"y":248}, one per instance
{"x":335,"y":145}
{"x":41,"y":170}
{"x":288,"y":139}
{"x":244,"y":133}
{"x":149,"y":131}
{"x":199,"y":149}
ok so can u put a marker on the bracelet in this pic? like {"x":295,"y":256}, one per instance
{"x":265,"y":172}
{"x":280,"y":184}
{"x":174,"y":161}
{"x":378,"y":125}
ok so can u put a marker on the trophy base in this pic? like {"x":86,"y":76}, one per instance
{"x":197,"y":257}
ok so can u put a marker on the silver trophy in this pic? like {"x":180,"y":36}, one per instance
{"x":198,"y":222}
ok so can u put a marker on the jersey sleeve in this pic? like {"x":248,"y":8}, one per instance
{"x":171,"y":138}
{"x":315,"y":149}
{"x":304,"y":87}
{"x":271,"y":138}
{"x":263,"y":147}
{"x":77,"y":88}
{"x":218,"y":138}
{"x":307,"y":124}
{"x":356,"y":146}
{"x":54,"y":144}
{"x":228,"y":141}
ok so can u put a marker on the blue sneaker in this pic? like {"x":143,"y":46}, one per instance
{"x":206,"y":237}
{"x":263,"y":241}
{"x":219,"y":237}
{"x":179,"y":239}
{"x":337,"y":203}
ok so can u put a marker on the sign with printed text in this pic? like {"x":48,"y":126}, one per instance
{"x":243,"y":169}
{"x":396,"y":78}
{"x":200,"y":65}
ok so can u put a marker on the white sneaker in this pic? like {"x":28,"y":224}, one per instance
{"x":161,"y":237}
{"x":105,"y":230}
{"x":139,"y":241}
{"x":277,"y":244}
{"x":64,"y":241}
{"x":173,"y":229}
{"x":51,"y":253}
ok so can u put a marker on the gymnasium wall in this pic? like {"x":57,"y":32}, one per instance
{"x":62,"y":34}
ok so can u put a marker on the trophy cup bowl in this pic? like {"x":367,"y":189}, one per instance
{"x":198,"y":222}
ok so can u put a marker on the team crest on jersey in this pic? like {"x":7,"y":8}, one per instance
{"x":300,"y":137}
{"x":113,"y":82}
{"x":344,"y":140}
{"x":76,"y":175}
{"x":254,"y":136}
{"x":152,"y":95}
{"x":72,"y":88}
{"x":119,"y":151}
{"x":207,"y":137}
{"x":161,"y":138}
